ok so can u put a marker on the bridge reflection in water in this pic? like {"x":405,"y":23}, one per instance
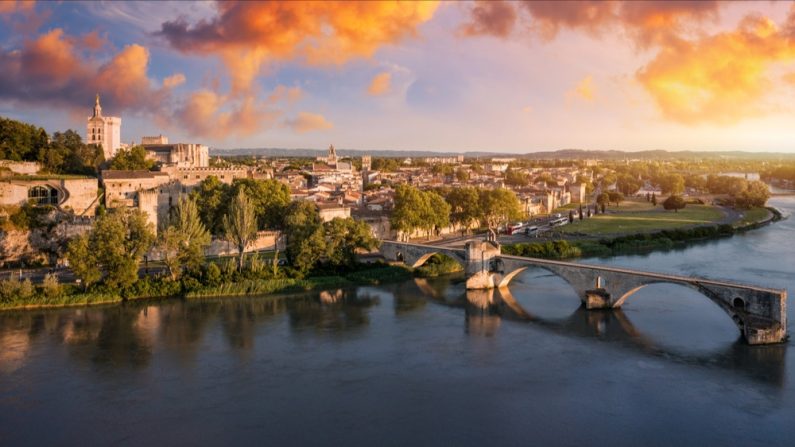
{"x":485,"y":311}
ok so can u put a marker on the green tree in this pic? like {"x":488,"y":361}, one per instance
{"x":183,"y":239}
{"x":83,"y":260}
{"x":212,"y":200}
{"x":306,"y":243}
{"x":697,"y":182}
{"x":240,"y":225}
{"x":498,"y":206}
{"x":546,"y":178}
{"x":755,"y":195}
{"x":674,"y":202}
{"x":20,"y":141}
{"x":627,"y":184}
{"x":119,"y":240}
{"x":603,"y":198}
{"x":517,"y":178}
{"x":131,"y":159}
{"x":464,"y":206}
{"x":344,"y":237}
{"x":269,"y":198}
{"x":615,"y":197}
{"x":409,"y":209}
{"x":672,"y":184}
{"x":437,"y":212}
{"x":461,"y":175}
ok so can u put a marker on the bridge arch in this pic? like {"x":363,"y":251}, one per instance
{"x":735,"y":309}
{"x":419,"y":262}
{"x":578,"y":282}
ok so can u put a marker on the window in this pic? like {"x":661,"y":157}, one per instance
{"x":43,"y":195}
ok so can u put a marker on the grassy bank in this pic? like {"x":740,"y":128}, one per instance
{"x":624,"y":222}
{"x":19,"y":296}
{"x":641,"y":242}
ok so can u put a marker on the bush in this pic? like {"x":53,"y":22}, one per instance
{"x":51,"y":287}
{"x":255,"y":267}
{"x":9,"y":289}
{"x":153,"y":287}
{"x":559,"y":249}
{"x":26,"y":289}
{"x":229,"y":270}
{"x":438,"y":265}
{"x":213,"y":274}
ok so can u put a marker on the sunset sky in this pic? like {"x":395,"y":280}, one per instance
{"x":492,"y":76}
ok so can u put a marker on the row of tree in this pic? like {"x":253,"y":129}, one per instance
{"x":464,"y":207}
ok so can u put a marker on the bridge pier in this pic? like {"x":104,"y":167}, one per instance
{"x":597,"y":299}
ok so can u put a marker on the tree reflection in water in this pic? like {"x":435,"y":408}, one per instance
{"x":332,"y":311}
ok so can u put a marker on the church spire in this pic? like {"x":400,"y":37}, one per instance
{"x":97,"y":107}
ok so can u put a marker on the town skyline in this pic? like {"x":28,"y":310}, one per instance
{"x":463,"y":77}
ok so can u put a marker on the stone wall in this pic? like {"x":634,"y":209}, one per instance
{"x":81,"y":196}
{"x":77,"y":195}
{"x":21,"y":167}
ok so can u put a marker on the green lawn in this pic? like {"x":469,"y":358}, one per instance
{"x":752,"y":215}
{"x":634,"y":205}
{"x":639,"y":222}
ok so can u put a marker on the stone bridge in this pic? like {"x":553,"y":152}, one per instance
{"x":760,"y":313}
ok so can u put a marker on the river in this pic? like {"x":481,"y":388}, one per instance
{"x":414,"y":363}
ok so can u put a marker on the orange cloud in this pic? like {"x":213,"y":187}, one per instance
{"x":719,"y":79}
{"x":381,"y":84}
{"x":495,"y":18}
{"x":584,"y":89}
{"x":15,"y":6}
{"x":646,"y":22}
{"x":284,"y":93}
{"x":174,"y":80}
{"x":22,"y":15}
{"x":208,"y":114}
{"x":307,"y":122}
{"x":93,"y":41}
{"x":247,"y":34}
{"x":51,"y":70}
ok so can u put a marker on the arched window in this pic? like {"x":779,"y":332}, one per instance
{"x":43,"y":195}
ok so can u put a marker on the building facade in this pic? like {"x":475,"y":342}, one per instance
{"x":104,"y":131}
{"x":181,"y":155}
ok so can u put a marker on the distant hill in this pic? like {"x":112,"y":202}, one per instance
{"x":569,"y":154}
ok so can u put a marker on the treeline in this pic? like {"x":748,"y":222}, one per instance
{"x":742,"y":193}
{"x":786,"y":172}
{"x":61,"y":153}
{"x":629,"y":244}
{"x":109,"y":255}
{"x":465,"y":207}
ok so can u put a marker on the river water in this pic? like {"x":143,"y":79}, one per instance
{"x":415,"y":363}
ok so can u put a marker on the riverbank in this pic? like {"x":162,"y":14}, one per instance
{"x":642,"y":242}
{"x":38,"y":297}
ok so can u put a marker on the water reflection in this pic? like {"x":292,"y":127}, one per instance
{"x":485,"y":310}
{"x":331,"y":312}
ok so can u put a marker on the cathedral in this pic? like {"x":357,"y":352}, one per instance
{"x":104,"y":130}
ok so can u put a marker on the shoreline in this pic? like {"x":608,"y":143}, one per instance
{"x":587,"y":248}
{"x":264,"y":287}
{"x":637,"y":243}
